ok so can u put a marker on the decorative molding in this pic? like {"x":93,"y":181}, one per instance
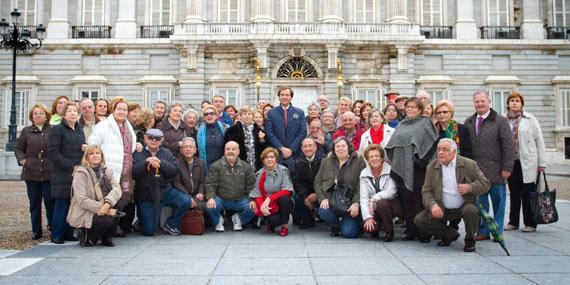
{"x":502,"y":79}
{"x":23,"y":79}
{"x":157,"y":79}
{"x":441,"y":79}
{"x":562,"y":79}
{"x":89,"y":79}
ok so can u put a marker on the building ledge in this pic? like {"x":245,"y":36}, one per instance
{"x":502,"y":79}
{"x":29,"y":79}
{"x":158,"y":79}
{"x":435,"y":79}
{"x":89,"y":79}
{"x":562,"y":79}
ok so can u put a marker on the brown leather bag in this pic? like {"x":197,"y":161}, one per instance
{"x":192,"y":223}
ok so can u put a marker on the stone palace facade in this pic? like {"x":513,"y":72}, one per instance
{"x":189,"y":50}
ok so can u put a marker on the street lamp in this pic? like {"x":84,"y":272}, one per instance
{"x":18,"y":42}
{"x":257,"y":78}
{"x":339,"y":82}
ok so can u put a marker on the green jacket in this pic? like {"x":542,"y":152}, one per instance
{"x":227,"y":182}
{"x":328,"y":172}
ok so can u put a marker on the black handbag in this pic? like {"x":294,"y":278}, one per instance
{"x":341,"y":195}
{"x":543,"y":204}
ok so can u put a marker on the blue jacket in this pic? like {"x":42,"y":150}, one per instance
{"x":291,"y":136}
{"x":226,"y":119}
{"x":201,"y":140}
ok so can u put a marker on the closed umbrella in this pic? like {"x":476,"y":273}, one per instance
{"x":493,"y":227}
{"x":156,"y":198}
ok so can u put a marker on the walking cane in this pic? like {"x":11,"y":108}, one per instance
{"x":155,"y":197}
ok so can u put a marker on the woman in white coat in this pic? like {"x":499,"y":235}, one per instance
{"x":117,"y":139}
{"x":379,"y":132}
{"x":529,"y":161}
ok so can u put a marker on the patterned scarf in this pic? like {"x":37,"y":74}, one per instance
{"x":515,"y":120}
{"x":452,"y":132}
{"x":249,"y":142}
{"x":126,"y":176}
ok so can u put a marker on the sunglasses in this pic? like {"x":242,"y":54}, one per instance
{"x":209,"y":114}
{"x":156,"y":139}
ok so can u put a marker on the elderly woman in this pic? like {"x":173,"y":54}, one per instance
{"x":344,"y":104}
{"x":191,"y":117}
{"x":210,"y":136}
{"x":192,"y":175}
{"x":378,"y":194}
{"x":57,"y":110}
{"x":95,"y":193}
{"x":379,"y":132}
{"x":451,"y":129}
{"x":31,"y":154}
{"x":173,"y":128}
{"x":529,"y":160}
{"x":65,"y":149}
{"x":249,"y":136}
{"x":391,"y":114}
{"x":102,"y":109}
{"x":328,"y":125}
{"x":343,"y":165}
{"x":272,"y":192}
{"x":232,"y":111}
{"x":313,"y":112}
{"x":365,"y":115}
{"x":410,"y":149}
{"x":117,"y":139}
{"x":428,"y":110}
{"x":144,"y":122}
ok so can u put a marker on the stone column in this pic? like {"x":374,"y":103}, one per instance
{"x":126,"y":26}
{"x":40,"y":14}
{"x":261,"y":11}
{"x":261,"y":49}
{"x":398,"y":11}
{"x":532,"y":25}
{"x":465,"y":26}
{"x":332,"y":11}
{"x":402,"y":57}
{"x":194,"y":11}
{"x":58,"y":25}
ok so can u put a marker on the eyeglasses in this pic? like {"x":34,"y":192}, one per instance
{"x":156,"y":139}
{"x":38,"y":114}
{"x":441,"y":112}
{"x":209,"y":114}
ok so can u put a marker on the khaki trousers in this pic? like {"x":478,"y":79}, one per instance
{"x":439,"y":228}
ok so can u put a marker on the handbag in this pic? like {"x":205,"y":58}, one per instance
{"x":543,"y":204}
{"x":192,"y":223}
{"x":341,"y":195}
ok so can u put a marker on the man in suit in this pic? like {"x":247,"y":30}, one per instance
{"x":451,"y":188}
{"x":286,"y":128}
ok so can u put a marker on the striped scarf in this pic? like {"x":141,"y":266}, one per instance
{"x":515,"y":120}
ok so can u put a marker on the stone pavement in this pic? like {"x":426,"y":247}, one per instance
{"x":304,"y":257}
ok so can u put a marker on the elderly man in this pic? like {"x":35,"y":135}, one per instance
{"x":286,"y":128}
{"x":228,"y":184}
{"x":154,"y":169}
{"x":401,"y":107}
{"x":318,"y":135}
{"x":492,"y":147}
{"x":392,"y":95}
{"x":192,"y":175}
{"x":306,"y":169}
{"x":260,"y":105}
{"x":323,"y":101}
{"x":220,"y":103}
{"x":450,"y":191}
{"x":349,"y":129}
{"x":424,"y":96}
{"x":88,"y":119}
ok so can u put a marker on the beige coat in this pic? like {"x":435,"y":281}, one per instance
{"x":532,"y":150}
{"x":87,"y":198}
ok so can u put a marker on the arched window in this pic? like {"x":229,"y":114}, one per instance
{"x":297,"y":68}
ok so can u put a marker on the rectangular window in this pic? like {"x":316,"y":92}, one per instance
{"x":431,"y":13}
{"x":498,"y":100}
{"x":438,"y":95}
{"x":561,"y":12}
{"x":229,"y":11}
{"x":92,"y":94}
{"x":372,"y":95}
{"x":22,"y":96}
{"x":232,"y":95}
{"x":160,"y":12}
{"x":364,"y":11}
{"x":93,"y":12}
{"x":565,"y":107}
{"x":498,"y":12}
{"x":296,"y":11}
{"x":154,"y":95}
{"x":28,"y":10}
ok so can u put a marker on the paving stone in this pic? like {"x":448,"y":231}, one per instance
{"x":533,"y":264}
{"x":191,"y":250}
{"x":7,"y":252}
{"x":11,"y":265}
{"x":74,"y":267}
{"x":516,"y":248}
{"x":358,"y":266}
{"x":549,"y":279}
{"x":231,"y":280}
{"x":262,"y":266}
{"x":454,"y":279}
{"x":38,"y":251}
{"x":415,"y":248}
{"x":470,"y":263}
{"x":155,"y":280}
{"x":372,"y":279}
{"x":98,"y":251}
{"x":272,"y":250}
{"x":164,"y":266}
{"x":34,"y":279}
{"x":348,"y":250}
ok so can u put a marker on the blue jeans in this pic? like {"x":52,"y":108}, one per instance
{"x":240,"y":206}
{"x":304,"y":214}
{"x":499,"y":200}
{"x":36,"y":191}
{"x":349,"y":226}
{"x":178,"y":201}
{"x":59,"y":228}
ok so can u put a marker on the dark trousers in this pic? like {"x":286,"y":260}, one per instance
{"x":37,"y":191}
{"x":60,"y":229}
{"x":282,"y":216}
{"x":304,"y":215}
{"x":439,"y":228}
{"x":520,"y":194}
{"x":126,"y":222}
{"x":411,"y":202}
{"x":103,"y":227}
{"x":384,"y":214}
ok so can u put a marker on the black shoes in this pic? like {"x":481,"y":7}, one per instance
{"x":425,"y":240}
{"x":107,"y":242}
{"x":71,"y":238}
{"x":451,"y":237}
{"x":306,"y":226}
{"x":37,"y":236}
{"x":389,"y":237}
{"x":335,"y":232}
{"x":469,"y":246}
{"x":57,"y":240}
{"x":409,"y":238}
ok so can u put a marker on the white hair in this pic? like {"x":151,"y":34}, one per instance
{"x":451,"y":143}
{"x":482,"y":92}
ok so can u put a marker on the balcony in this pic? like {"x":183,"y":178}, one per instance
{"x":557,"y":33}
{"x":31,"y":28}
{"x":500,"y":32}
{"x":91,"y":32}
{"x":437,"y":32}
{"x":295,"y":32}
{"x":158,"y":31}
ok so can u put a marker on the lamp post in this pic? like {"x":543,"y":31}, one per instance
{"x":257,"y":78}
{"x":339,"y":82}
{"x":17,"y":41}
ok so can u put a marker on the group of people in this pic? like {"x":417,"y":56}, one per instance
{"x":107,"y":168}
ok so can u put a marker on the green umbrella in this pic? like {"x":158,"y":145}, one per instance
{"x":493,"y":227}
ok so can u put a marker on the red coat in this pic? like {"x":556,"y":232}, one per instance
{"x":355,"y":138}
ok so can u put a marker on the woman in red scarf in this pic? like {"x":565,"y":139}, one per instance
{"x":379,"y":132}
{"x":272,"y":192}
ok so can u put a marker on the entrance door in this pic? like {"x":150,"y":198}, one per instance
{"x":304,"y":96}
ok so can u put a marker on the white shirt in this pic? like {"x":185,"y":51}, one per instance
{"x":484,"y":118}
{"x":451,"y":197}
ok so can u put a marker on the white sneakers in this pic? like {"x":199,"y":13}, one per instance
{"x":237,"y":222}
{"x":220,"y":225}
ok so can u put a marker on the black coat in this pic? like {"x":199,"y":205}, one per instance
{"x":144,"y":179}
{"x":64,"y":150}
{"x":304,"y":175}
{"x":32,"y":145}
{"x":235,"y":133}
{"x":464,"y":141}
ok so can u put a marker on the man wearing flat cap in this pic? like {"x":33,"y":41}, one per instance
{"x":401,"y":106}
{"x":391,"y":95}
{"x":154,"y":170}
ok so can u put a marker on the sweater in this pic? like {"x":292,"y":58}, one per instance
{"x":229,"y":182}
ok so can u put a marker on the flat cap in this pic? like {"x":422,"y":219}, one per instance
{"x":154,"y":133}
{"x":392,"y":91}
